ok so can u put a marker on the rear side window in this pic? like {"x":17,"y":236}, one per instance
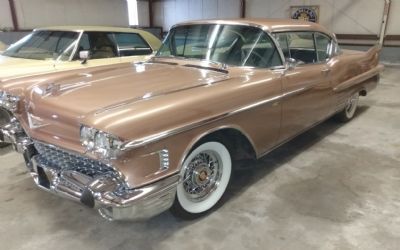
{"x":282,"y":40}
{"x":100,"y":44}
{"x":131,"y":44}
{"x":109,"y":44}
{"x":301,"y":47}
{"x":323,"y":44}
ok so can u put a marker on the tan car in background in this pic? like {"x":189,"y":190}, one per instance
{"x":2,"y":47}
{"x":60,"y":48}
{"x":135,"y":140}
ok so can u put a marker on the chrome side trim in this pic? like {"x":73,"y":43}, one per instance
{"x":151,"y":95}
{"x":156,"y":137}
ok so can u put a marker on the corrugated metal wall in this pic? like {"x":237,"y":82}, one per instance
{"x":37,"y":13}
{"x":340,"y":16}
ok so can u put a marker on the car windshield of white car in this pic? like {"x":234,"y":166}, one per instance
{"x":42,"y":45}
{"x":235,"y":45}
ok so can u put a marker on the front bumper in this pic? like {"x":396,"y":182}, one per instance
{"x":92,"y":183}
{"x":107,"y":194}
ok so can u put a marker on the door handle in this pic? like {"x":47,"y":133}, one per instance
{"x":326,"y":71}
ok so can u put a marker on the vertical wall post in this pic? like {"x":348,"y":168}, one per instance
{"x":243,"y":8}
{"x":13,"y":15}
{"x":151,"y":19}
{"x":384,"y":22}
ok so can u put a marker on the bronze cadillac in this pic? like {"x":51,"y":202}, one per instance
{"x":134,"y":140}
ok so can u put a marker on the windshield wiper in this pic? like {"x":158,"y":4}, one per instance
{"x":222,"y":70}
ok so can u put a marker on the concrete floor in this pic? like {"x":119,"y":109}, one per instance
{"x":334,"y":187}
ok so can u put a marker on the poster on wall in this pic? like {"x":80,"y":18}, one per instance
{"x":308,"y":13}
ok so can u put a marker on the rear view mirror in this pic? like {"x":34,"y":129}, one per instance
{"x":291,"y":63}
{"x":84,"y":55}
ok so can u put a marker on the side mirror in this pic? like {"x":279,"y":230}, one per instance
{"x":84,"y":56}
{"x":291,"y":63}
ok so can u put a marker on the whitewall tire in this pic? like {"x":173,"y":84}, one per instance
{"x":349,"y":111}
{"x":205,"y":176}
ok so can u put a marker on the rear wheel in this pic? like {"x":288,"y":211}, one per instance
{"x":205,"y":176}
{"x":351,"y":106}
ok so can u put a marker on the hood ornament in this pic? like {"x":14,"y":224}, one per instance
{"x":52,"y":89}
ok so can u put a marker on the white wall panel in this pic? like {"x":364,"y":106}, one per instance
{"x":340,"y":16}
{"x":158,"y":14}
{"x":143,"y":13}
{"x":5,"y":15}
{"x":195,"y":9}
{"x":210,"y":9}
{"x":37,"y":13}
{"x":394,"y":18}
{"x":169,"y":12}
{"x":228,"y":9}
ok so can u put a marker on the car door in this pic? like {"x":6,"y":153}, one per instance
{"x":306,"y":88}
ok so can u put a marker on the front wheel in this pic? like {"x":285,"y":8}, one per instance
{"x":351,"y":106}
{"x":5,"y":118}
{"x":205,"y":176}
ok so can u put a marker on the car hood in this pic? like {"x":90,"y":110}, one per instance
{"x":57,"y":107}
{"x":12,"y":67}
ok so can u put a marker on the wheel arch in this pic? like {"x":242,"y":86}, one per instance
{"x":231,"y":134}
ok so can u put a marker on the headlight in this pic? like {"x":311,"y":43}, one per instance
{"x":8,"y":101}
{"x":101,"y":143}
{"x":87,"y":137}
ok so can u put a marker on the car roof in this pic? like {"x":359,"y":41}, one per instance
{"x":270,"y":24}
{"x":90,"y":28}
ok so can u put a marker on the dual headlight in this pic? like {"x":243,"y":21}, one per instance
{"x":8,"y":101}
{"x":103,"y":144}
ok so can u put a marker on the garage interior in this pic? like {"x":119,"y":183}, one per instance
{"x":333,"y":187}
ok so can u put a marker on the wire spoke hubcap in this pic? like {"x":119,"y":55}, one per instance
{"x":202,"y":175}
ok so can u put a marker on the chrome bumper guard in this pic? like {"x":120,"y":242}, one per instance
{"x":106,"y":194}
{"x":89,"y":182}
{"x":14,"y":134}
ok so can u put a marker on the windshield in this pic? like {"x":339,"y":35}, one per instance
{"x":42,"y":45}
{"x":228,"y":44}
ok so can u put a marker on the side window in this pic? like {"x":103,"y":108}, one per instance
{"x":301,"y":47}
{"x":100,"y":44}
{"x":323,"y":44}
{"x":131,"y":44}
{"x":335,"y":48}
{"x":261,"y":53}
{"x":282,"y":39}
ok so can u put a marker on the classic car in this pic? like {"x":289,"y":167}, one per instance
{"x":2,"y":46}
{"x":135,"y":140}
{"x":72,"y":47}
{"x":61,"y":48}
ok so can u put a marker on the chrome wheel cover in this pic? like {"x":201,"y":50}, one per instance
{"x":202,"y":175}
{"x":351,"y":105}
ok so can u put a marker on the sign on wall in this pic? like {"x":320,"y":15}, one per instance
{"x":308,"y":13}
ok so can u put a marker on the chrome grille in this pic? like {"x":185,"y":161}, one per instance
{"x":61,"y":160}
